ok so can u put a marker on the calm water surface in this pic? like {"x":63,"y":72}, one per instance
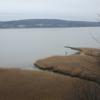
{"x":20,"y":48}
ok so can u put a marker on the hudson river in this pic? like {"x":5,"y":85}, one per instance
{"x":20,"y":48}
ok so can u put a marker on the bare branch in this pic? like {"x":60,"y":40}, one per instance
{"x":94,"y":38}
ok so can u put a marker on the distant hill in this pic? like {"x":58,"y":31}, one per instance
{"x":46,"y":23}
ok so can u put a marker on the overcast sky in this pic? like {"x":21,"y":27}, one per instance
{"x":63,"y":9}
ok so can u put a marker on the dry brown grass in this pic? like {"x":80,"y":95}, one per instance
{"x":81,"y":66}
{"x":18,"y":84}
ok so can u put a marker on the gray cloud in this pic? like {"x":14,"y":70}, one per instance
{"x":82,"y":9}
